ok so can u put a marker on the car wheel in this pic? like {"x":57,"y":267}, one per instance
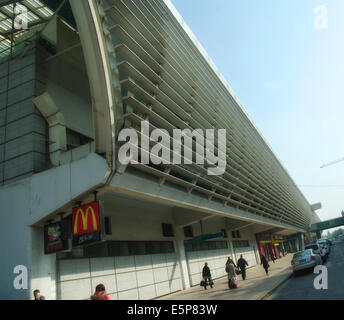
{"x":295,"y":273}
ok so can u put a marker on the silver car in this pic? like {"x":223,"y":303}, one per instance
{"x":305,"y":259}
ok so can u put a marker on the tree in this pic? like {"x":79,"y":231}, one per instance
{"x":337,"y":233}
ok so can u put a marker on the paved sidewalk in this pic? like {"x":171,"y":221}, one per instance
{"x":256,"y":286}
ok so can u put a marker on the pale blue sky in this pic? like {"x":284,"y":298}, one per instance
{"x":290,"y":78}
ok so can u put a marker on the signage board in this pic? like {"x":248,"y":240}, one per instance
{"x":87,"y":223}
{"x":206,"y":237}
{"x":56,"y":237}
{"x":327,"y":224}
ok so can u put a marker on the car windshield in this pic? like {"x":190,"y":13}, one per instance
{"x":313,"y":247}
{"x":302,"y":253}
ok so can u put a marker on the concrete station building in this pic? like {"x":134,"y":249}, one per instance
{"x":83,"y":71}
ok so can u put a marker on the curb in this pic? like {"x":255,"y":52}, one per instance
{"x":274,"y":289}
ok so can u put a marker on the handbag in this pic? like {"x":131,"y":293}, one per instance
{"x":237,"y":271}
{"x":203,"y":283}
{"x":235,"y":281}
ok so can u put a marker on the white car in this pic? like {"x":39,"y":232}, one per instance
{"x":315,"y":246}
{"x":324,"y":246}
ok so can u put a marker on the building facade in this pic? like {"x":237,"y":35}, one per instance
{"x":69,"y":84}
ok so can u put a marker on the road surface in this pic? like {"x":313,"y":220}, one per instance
{"x":301,"y":287}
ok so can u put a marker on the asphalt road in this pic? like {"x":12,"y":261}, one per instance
{"x":301,"y":287}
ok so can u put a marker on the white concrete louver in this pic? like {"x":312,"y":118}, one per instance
{"x":167,"y":80}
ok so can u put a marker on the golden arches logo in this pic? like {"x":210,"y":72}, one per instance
{"x":84,"y":217}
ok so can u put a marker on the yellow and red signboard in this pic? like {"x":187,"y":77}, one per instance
{"x":86,"y":226}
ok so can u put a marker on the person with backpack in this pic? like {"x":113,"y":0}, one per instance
{"x":100,"y":293}
{"x":242,"y":263}
{"x":206,"y":274}
{"x":265,"y":264}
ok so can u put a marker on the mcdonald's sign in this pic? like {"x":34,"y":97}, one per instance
{"x":86,"y":223}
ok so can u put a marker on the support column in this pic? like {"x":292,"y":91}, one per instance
{"x":275,"y":251}
{"x":302,"y":241}
{"x":271,"y":250}
{"x":232,"y":251}
{"x":43,"y":275}
{"x":260,"y":248}
{"x":182,"y":258}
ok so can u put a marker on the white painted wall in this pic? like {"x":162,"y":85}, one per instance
{"x":26,"y":202}
{"x":23,"y":245}
{"x":248,"y":254}
{"x":136,"y":220}
{"x":126,"y":277}
{"x":51,"y":189}
{"x":14,"y":237}
{"x":141,"y":277}
{"x":43,"y":270}
{"x":70,"y":91}
{"x":216,"y":260}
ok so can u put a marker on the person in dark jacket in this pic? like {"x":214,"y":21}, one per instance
{"x":265,"y":264}
{"x":273,"y":258}
{"x":207,"y":276}
{"x":242,"y":263}
{"x":229,"y":260}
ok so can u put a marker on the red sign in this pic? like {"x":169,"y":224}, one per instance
{"x":86,"y":219}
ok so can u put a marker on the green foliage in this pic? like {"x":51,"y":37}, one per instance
{"x":335,"y":233}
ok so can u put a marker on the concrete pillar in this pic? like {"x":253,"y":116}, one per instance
{"x":232,"y":250}
{"x":184,"y":271}
{"x":260,"y":248}
{"x":43,"y":267}
{"x":302,"y":241}
{"x":275,"y":251}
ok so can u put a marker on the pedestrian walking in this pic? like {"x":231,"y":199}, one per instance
{"x":242,"y":263}
{"x":100,"y":293}
{"x":37,"y":295}
{"x":229,"y":260}
{"x":273,"y":258}
{"x":206,"y":274}
{"x":265,"y":264}
{"x":232,"y":280}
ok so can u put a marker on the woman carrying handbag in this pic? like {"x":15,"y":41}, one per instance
{"x":232,"y":279}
